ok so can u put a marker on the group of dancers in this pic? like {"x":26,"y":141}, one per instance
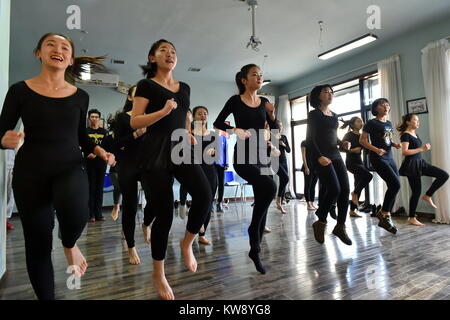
{"x":50,"y":173}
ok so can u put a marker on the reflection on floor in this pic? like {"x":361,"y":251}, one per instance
{"x":414,"y":264}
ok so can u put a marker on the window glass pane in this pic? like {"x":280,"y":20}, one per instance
{"x":299,"y":182}
{"x":299,"y":109}
{"x":299,"y":136}
{"x":372,"y":90}
{"x":346,"y":100}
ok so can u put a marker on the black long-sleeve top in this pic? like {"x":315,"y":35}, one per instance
{"x":283,"y":149}
{"x":321,"y":136}
{"x":55,"y":128}
{"x":245,"y":118}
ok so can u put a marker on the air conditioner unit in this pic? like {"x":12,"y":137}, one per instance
{"x":101,"y":80}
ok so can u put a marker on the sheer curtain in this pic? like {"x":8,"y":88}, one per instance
{"x":391,"y":89}
{"x":436,"y":77}
{"x":285,"y":117}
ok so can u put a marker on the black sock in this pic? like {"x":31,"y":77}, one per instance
{"x":258,"y":265}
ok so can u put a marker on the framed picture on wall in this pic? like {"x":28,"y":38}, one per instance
{"x":417,"y":106}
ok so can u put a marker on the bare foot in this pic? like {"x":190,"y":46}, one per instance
{"x":415,"y":222}
{"x":280,"y":207}
{"x":134,"y":257}
{"x":203,"y":240}
{"x":163,"y":288}
{"x":354,"y":214}
{"x":188,"y":255}
{"x":147,"y":233}
{"x":429,"y":200}
{"x":267,"y":230}
{"x":75,"y":258}
{"x":115,"y":213}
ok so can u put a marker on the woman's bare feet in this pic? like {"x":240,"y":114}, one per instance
{"x":429,"y":200}
{"x":280,"y":207}
{"x":203,"y":240}
{"x":415,"y":222}
{"x":133,"y":256}
{"x":160,"y":282}
{"x":188,"y":255}
{"x":267,"y":230}
{"x":76,"y":259}
{"x":354,"y":214}
{"x":310,"y":206}
{"x":115,"y":212}
{"x":147,"y":233}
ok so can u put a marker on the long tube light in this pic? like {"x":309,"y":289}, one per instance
{"x":368,"y":38}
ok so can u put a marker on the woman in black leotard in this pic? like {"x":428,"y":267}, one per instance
{"x":251,"y":112}
{"x":49,"y":172}
{"x":321,"y":136}
{"x":381,"y":134}
{"x":208,"y":147}
{"x":354,"y":162}
{"x":161,"y":104}
{"x":128,"y":141}
{"x":414,"y":167}
{"x":283,"y":172}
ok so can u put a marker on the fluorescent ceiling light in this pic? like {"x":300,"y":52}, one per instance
{"x":368,"y":38}
{"x":265,"y":82}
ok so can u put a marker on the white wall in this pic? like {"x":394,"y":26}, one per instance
{"x":5,"y":7}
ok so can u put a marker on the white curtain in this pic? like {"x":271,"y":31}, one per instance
{"x":391,"y":89}
{"x":436,"y":77}
{"x":285,"y":117}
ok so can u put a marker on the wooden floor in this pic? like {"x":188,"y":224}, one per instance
{"x":414,"y":264}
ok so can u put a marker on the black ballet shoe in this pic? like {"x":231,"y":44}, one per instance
{"x":386,"y":223}
{"x":339,"y":231}
{"x":255,"y":258}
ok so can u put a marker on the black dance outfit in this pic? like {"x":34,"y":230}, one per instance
{"x":283,"y":172}
{"x":354,"y":164}
{"x":414,"y":167}
{"x":264,"y":188}
{"x":49,"y":174}
{"x":159,"y":170}
{"x":311,"y":178}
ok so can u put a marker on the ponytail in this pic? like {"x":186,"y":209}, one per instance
{"x":242,"y":74}
{"x":82,"y":65}
{"x":149,"y":70}
{"x":349,"y":123}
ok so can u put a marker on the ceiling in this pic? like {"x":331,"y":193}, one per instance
{"x":212,"y":34}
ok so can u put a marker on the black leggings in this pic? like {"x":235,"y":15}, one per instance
{"x":96,"y":175}
{"x":362,"y":178}
{"x":220,"y":182}
{"x":264,"y":190}
{"x":129,"y":176}
{"x":387,"y":170}
{"x":183,"y":195}
{"x":159,"y":184}
{"x":310,"y":185}
{"x":284,"y":178}
{"x":211,"y":175}
{"x":416,"y":185}
{"x":335,"y":186}
{"x":37,"y":197}
{"x":114,"y":178}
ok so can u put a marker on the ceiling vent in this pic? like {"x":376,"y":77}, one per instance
{"x":193,"y":69}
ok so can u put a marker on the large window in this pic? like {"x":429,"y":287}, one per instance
{"x":351,"y":98}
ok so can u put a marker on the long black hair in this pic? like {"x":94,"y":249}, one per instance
{"x":129,"y":103}
{"x":82,"y":64}
{"x":149,"y":70}
{"x":242,"y":74}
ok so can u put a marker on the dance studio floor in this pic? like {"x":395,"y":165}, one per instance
{"x":414,"y":264}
